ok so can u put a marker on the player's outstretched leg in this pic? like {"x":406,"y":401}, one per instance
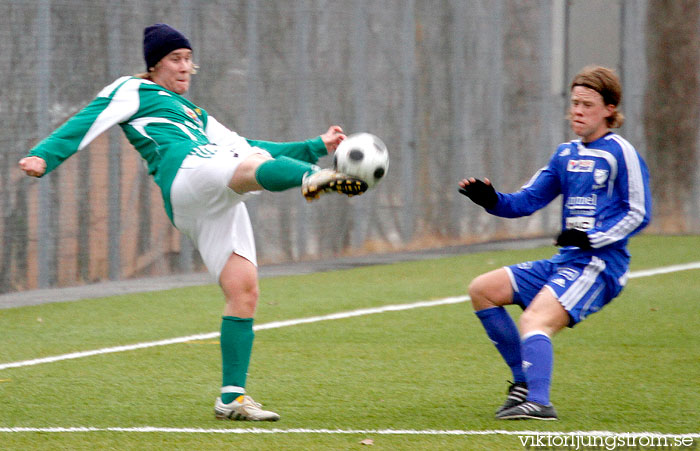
{"x":327,"y":180}
{"x":282,"y":173}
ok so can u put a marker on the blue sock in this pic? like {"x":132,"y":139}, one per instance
{"x":504,"y":334}
{"x":538,"y":360}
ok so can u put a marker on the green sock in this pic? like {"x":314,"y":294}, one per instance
{"x":282,"y":173}
{"x":310,"y":150}
{"x":236,"y":346}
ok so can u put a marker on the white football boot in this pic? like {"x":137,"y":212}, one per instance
{"x":243,"y":408}
{"x":328,"y":180}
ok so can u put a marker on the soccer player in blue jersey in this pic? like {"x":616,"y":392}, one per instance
{"x":604,"y":184}
{"x":205,"y":172}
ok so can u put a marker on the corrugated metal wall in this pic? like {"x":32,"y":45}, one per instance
{"x":454,"y":87}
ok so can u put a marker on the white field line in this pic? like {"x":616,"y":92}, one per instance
{"x":272,"y":325}
{"x":627,"y":435}
{"x":294,"y":322}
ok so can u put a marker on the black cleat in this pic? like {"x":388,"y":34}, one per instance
{"x":327,"y":181}
{"x":529,"y":410}
{"x":517,"y":394}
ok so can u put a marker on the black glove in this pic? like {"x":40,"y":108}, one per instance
{"x":481,"y":194}
{"x":573,"y":237}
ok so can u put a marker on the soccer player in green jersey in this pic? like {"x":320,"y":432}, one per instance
{"x":205,"y":172}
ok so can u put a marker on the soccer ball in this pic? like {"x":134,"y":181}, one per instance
{"x":364,"y":156}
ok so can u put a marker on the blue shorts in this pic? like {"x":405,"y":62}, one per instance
{"x":582,"y":286}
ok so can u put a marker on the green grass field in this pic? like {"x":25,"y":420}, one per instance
{"x":634,"y":367}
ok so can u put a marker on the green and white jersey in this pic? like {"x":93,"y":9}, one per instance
{"x":163,"y":126}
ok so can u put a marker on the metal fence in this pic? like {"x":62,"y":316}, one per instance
{"x":454,"y":87}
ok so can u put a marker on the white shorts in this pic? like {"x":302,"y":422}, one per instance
{"x":210,"y":213}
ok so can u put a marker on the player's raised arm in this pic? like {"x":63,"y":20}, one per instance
{"x":333,"y":137}
{"x":33,"y":166}
{"x":480,"y":192}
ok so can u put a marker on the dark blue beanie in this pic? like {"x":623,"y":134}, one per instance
{"x":159,"y":40}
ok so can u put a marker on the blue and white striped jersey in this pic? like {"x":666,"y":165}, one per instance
{"x":605,"y":189}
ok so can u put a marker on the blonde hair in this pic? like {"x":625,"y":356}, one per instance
{"x":605,"y":82}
